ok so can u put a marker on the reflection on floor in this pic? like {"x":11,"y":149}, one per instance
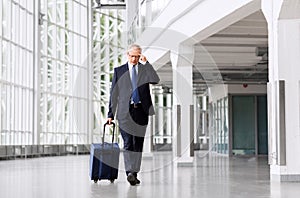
{"x":211,"y":176}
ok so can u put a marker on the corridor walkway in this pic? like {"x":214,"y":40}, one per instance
{"x":212,"y":176}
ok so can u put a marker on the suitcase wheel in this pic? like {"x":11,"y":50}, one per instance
{"x":112,"y":181}
{"x":95,"y":181}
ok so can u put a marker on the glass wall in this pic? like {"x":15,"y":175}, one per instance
{"x":108,"y":50}
{"x":16,"y":72}
{"x":162,"y":134}
{"x":162,"y":122}
{"x":73,"y":48}
{"x":201,"y":136}
{"x":219,"y":126}
{"x":64,"y":72}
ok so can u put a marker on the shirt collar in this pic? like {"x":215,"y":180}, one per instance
{"x":130,"y":66}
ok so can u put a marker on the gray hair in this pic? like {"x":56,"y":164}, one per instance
{"x":134,"y":46}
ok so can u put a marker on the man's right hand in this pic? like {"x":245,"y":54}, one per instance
{"x":109,"y":121}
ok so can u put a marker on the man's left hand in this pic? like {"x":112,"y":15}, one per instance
{"x":143,"y":58}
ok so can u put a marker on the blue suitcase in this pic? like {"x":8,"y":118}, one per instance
{"x":104,"y":159}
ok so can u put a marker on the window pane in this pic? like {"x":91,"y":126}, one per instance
{"x":83,"y":21}
{"x":4,"y":64}
{"x":50,"y":75}
{"x":59,"y":77}
{"x":6,"y":19}
{"x":29,"y":30}
{"x":30,"y":5}
{"x":15,"y":18}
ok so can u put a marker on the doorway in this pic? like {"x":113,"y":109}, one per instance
{"x":249,"y":132}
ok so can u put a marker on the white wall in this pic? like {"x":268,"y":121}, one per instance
{"x":247,"y":89}
{"x":217,"y":92}
{"x":284,"y":118}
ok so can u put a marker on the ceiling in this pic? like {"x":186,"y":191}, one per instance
{"x":235,"y":55}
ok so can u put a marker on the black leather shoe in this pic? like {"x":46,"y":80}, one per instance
{"x":137,"y":181}
{"x":131,"y":179}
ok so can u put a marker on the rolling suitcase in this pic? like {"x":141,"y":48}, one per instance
{"x":104,"y":159}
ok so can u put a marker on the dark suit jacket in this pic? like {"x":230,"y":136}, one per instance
{"x":121,"y":90}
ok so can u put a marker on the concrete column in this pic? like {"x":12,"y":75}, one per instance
{"x":37,"y":77}
{"x":90,"y":79}
{"x":204,"y":124}
{"x":160,"y":121}
{"x":148,"y":142}
{"x":196,"y":119}
{"x":284,"y":89}
{"x":169,"y":118}
{"x":182,"y":101}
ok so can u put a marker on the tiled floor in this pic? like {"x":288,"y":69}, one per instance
{"x":211,"y":176}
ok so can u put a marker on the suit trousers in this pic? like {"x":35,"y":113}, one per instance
{"x":133,"y":132}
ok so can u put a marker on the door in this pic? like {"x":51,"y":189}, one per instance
{"x":249,"y":125}
{"x":243,"y":125}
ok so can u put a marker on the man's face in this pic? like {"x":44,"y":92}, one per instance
{"x":133,"y":56}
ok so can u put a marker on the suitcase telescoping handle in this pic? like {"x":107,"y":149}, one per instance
{"x":113,"y":134}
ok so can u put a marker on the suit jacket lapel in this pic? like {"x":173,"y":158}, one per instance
{"x":127,"y":74}
{"x":140,"y":72}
